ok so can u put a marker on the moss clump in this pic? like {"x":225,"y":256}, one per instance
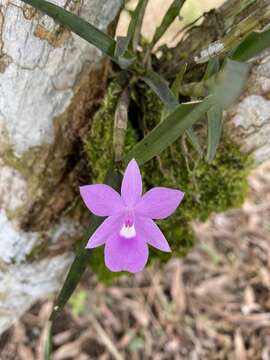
{"x":208,"y":188}
{"x":99,"y":142}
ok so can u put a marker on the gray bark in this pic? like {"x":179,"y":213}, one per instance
{"x":42,"y":69}
{"x":248,"y":122}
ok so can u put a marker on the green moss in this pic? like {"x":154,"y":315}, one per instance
{"x":99,"y":142}
{"x":208,"y":188}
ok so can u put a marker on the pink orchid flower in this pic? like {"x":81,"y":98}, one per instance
{"x":129,"y":229}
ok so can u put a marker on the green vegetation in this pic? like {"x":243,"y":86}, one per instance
{"x":208,"y":188}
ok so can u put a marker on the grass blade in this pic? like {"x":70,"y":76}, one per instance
{"x":215,"y":122}
{"x":254,"y":44}
{"x":169,"y":130}
{"x":168,"y":18}
{"x":83,"y":255}
{"x":79,"y":26}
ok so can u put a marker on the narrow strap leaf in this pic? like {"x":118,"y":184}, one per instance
{"x":83,"y":255}
{"x":76,"y":24}
{"x":179,"y":80}
{"x":161,"y":88}
{"x":47,"y":351}
{"x":76,"y":270}
{"x":121,"y":46}
{"x":134,"y":29}
{"x":176,"y":90}
{"x":124,"y":58}
{"x":226,"y":88}
{"x":215,"y":121}
{"x":169,"y":98}
{"x":229,"y":83}
{"x":168,"y":18}
{"x":169,"y":130}
{"x":253,"y":45}
{"x":212,"y":68}
{"x":194,"y":140}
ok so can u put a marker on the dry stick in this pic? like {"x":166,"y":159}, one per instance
{"x":120,"y":124}
{"x":105,"y":338}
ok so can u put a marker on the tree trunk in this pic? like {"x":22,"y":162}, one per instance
{"x":51,"y":82}
{"x":248,"y":122}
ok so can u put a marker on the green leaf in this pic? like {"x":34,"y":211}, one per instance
{"x":229,"y":83}
{"x":125,"y":62}
{"x":179,"y":80}
{"x":169,"y":130}
{"x":83,"y":255}
{"x":161,"y":88}
{"x":176,"y":90}
{"x":254,"y":44}
{"x":79,"y":26}
{"x":121,"y":46}
{"x":225,"y":88}
{"x":215,"y":121}
{"x":124,"y":58}
{"x":168,"y":18}
{"x":48,"y":343}
{"x":76,"y":270}
{"x":135,"y":25}
{"x":212,"y":68}
{"x":194,"y":140}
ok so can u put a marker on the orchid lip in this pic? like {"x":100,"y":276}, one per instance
{"x":128,"y":231}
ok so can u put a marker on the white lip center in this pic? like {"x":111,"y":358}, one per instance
{"x":128,"y":231}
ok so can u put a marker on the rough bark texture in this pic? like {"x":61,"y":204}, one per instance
{"x":50,"y":84}
{"x":249,"y":121}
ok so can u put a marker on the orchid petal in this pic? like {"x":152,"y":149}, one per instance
{"x":110,"y":225}
{"x":159,"y":202}
{"x":102,"y":200}
{"x":131,"y":190}
{"x":126,"y":254}
{"x":149,"y":231}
